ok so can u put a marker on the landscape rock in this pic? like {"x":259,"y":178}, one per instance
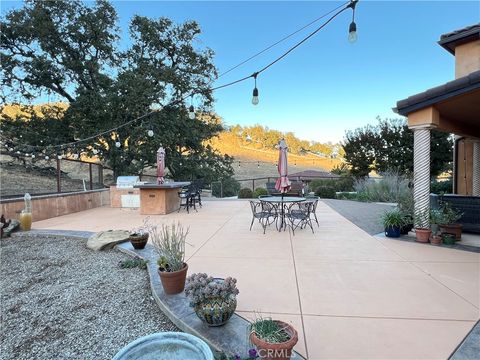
{"x":107,"y":239}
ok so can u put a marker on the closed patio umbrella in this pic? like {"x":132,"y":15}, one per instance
{"x":282,"y":184}
{"x":160,"y":165}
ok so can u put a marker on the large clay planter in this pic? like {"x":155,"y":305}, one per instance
{"x":279,"y":351}
{"x":452,"y":229}
{"x":422,"y":235}
{"x":138,"y":241}
{"x":173,"y":282}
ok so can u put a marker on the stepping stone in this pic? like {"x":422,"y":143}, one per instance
{"x":107,"y":239}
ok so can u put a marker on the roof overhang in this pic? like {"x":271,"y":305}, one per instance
{"x":459,"y":37}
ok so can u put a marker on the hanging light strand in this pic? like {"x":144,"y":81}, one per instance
{"x":343,"y":7}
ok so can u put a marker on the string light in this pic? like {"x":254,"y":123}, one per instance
{"x":47,"y":157}
{"x":352,"y":30}
{"x":191,"y":111}
{"x":255,"y":91}
{"x":150,"y":133}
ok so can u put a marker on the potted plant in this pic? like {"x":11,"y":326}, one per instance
{"x":448,"y":239}
{"x":436,"y":218}
{"x":213,"y":299}
{"x":450,"y":225}
{"x":392,"y":222}
{"x":139,"y":236}
{"x":274,"y":339}
{"x":422,"y":233}
{"x":405,"y":204}
{"x":169,"y":243}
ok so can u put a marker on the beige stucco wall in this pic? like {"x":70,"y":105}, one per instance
{"x":467,"y":58}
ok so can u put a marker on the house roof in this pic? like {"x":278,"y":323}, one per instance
{"x":451,"y":40}
{"x":313,"y":174}
{"x":439,"y":93}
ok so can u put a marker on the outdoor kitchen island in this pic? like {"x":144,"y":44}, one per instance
{"x":160,"y":199}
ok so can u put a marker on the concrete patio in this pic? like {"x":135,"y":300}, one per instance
{"x":349,"y":294}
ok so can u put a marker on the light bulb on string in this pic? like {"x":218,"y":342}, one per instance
{"x":59,"y":157}
{"x":191,"y":110}
{"x":47,"y":157}
{"x":117,"y":144}
{"x":150,"y":133}
{"x":255,"y":91}
{"x":352,"y":29}
{"x":33,"y":156}
{"x":95,"y":151}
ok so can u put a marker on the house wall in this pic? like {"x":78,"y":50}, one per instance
{"x":467,"y":58}
{"x":464,"y":167}
{"x":48,"y":206}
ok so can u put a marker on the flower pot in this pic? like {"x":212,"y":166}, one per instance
{"x":216,"y":311}
{"x":436,"y":239}
{"x":138,"y":241}
{"x":173,"y":282}
{"x":279,"y":351}
{"x":448,"y":239}
{"x":422,"y":235}
{"x":392,"y":231}
{"x":405,"y":229}
{"x":455,"y":229}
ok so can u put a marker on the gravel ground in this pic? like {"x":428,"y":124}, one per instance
{"x":367,"y":216}
{"x":60,"y":300}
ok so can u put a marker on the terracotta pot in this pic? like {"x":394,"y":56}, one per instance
{"x":423,"y":235}
{"x":138,"y":241}
{"x":452,"y":229}
{"x":173,"y":282}
{"x":436,"y":239}
{"x":279,"y":351}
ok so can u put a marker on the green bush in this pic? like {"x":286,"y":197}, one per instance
{"x":228,"y":186}
{"x":347,"y":196}
{"x":392,"y":187}
{"x":345,"y":183}
{"x":245,"y":193}
{"x":325,"y":192}
{"x":259,"y":192}
{"x":441,"y":187}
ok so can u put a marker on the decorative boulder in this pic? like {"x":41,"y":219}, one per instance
{"x":107,"y":239}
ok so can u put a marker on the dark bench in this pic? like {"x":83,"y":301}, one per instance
{"x":469,"y":206}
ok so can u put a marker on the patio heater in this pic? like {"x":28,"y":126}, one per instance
{"x":160,"y":165}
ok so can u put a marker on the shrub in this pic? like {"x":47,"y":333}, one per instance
{"x":392,"y":187}
{"x":325,"y":192}
{"x":393,"y":219}
{"x":226,"y":187}
{"x":259,"y":192}
{"x":441,"y":187}
{"x":345,"y":183}
{"x":245,"y":193}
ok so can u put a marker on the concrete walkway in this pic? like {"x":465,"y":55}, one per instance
{"x":349,"y":295}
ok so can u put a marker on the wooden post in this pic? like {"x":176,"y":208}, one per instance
{"x":91,"y":176}
{"x":59,"y":187}
{"x":253,"y":184}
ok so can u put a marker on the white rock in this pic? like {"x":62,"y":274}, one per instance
{"x":107,"y":239}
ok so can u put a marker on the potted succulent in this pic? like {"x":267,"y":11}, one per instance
{"x":213,"y":299}
{"x":139,"y":236}
{"x":169,"y":243}
{"x":392,"y":222}
{"x":436,"y":218}
{"x":274,"y":339}
{"x":422,"y":233}
{"x":450,"y":218}
{"x":448,"y":239}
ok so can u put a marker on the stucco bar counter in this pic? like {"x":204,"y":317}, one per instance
{"x":160,"y":199}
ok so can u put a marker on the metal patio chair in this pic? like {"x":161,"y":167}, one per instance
{"x":263,"y":212}
{"x":299,"y":215}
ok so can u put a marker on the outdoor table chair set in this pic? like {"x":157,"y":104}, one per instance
{"x":190,"y":196}
{"x":293,"y":212}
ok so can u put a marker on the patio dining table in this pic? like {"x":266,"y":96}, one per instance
{"x":280,"y":202}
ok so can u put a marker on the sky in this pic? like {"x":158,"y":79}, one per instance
{"x":327,"y":85}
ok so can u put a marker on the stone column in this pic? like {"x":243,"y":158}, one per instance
{"x":421,"y":176}
{"x":476,"y":169}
